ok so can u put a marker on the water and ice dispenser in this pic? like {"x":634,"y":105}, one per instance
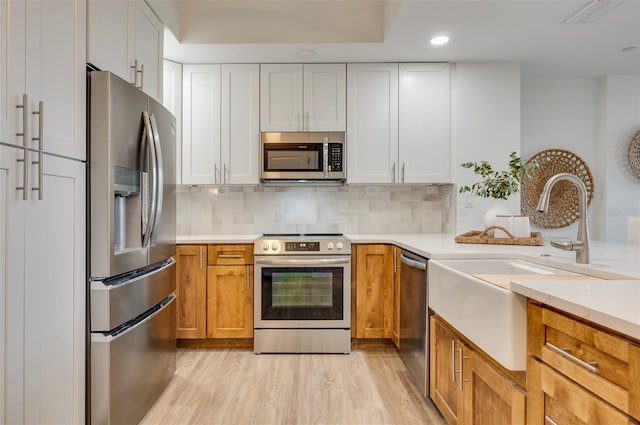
{"x":127,"y":209}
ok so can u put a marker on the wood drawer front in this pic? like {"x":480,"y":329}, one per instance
{"x":566,"y":402}
{"x":615,"y":359}
{"x":230,"y":255}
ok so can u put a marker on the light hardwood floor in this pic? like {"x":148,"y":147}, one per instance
{"x":223,"y":386}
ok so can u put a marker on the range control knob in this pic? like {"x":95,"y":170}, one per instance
{"x":274,"y":246}
{"x":339,"y":246}
{"x":265,"y":246}
{"x":330,"y":245}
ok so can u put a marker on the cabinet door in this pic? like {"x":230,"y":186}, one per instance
{"x":372,"y":106}
{"x":230,"y":302}
{"x":191,"y":291}
{"x":444,"y":386}
{"x":12,"y":69}
{"x":281,"y":97}
{"x":148,"y":39}
{"x":201,"y":124}
{"x":424,"y":144}
{"x":325,"y":97}
{"x":172,"y":100}
{"x":54,"y":289}
{"x":109,"y":45}
{"x":240,"y":124}
{"x":55,"y":66}
{"x":374,"y":304}
{"x":489,"y":397}
{"x":11,"y":286}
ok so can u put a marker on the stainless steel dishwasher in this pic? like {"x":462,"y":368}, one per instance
{"x":414,"y":333}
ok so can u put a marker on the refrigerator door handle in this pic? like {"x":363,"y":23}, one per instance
{"x":159,"y":171}
{"x":148,"y":150}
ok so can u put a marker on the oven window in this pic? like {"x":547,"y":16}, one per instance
{"x":302,"y":293}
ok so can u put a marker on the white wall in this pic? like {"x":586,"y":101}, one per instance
{"x":485,"y":126}
{"x":594,"y":118}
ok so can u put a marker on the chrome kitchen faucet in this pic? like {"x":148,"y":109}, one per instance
{"x":581,"y":245}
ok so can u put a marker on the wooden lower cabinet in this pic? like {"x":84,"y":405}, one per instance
{"x":230,"y":302}
{"x":467,"y":388}
{"x":374,"y":297}
{"x":191,"y":291}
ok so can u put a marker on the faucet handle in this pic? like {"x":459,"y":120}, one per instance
{"x":576,"y":246}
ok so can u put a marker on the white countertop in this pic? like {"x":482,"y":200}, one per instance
{"x":614,"y":303}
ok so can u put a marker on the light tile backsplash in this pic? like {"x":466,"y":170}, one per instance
{"x":315,"y":209}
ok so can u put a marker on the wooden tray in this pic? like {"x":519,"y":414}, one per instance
{"x":481,"y":237}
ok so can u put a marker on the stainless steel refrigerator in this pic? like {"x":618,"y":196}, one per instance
{"x":131,"y":244}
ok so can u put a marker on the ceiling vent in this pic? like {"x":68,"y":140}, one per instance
{"x":592,"y":11}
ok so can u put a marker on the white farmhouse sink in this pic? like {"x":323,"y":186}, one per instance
{"x":489,"y":315}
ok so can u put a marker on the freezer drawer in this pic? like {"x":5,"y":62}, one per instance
{"x":114,"y":304}
{"x":132,"y":367}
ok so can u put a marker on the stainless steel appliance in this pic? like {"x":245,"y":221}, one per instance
{"x":302,"y":298}
{"x":414,"y":333}
{"x":313,"y":157}
{"x":131,"y":244}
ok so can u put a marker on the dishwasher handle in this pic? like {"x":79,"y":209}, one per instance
{"x":421,"y":265}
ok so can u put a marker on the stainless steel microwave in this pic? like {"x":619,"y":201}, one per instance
{"x":302,"y":157}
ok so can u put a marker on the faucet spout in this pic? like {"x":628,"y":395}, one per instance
{"x":582,"y":246}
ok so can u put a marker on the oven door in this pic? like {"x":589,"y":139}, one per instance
{"x":302,"y":292}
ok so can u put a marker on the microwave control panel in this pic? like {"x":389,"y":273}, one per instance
{"x":335,"y":156}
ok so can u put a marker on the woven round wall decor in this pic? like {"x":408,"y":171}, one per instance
{"x":563,"y":205}
{"x":634,"y":154}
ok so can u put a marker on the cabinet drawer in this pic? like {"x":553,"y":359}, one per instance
{"x":563,"y":401}
{"x":221,"y":255}
{"x":603,"y":363}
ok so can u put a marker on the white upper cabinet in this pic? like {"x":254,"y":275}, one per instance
{"x":172,"y":100}
{"x":240,"y":148}
{"x":201,"y":124}
{"x":44,"y":63}
{"x":372,"y":104}
{"x":126,"y":38}
{"x":424,"y":123}
{"x":297,"y":97}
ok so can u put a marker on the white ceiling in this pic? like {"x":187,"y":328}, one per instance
{"x":529,"y":32}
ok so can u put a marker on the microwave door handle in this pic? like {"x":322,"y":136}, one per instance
{"x":325,"y":156}
{"x":154,"y":176}
{"x":159,"y":169}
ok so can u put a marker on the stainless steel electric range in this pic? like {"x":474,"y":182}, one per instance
{"x":302,"y":299}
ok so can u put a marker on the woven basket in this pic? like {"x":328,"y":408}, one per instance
{"x":634,"y":154}
{"x":563,"y":204}
{"x":481,"y":237}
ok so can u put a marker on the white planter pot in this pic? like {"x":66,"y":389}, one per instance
{"x":497,"y":207}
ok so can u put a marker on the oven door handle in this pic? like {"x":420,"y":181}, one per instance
{"x":312,"y":262}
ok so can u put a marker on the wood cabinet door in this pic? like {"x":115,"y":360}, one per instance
{"x":444,"y":386}
{"x":201,"y":124}
{"x":325,"y":97}
{"x":191,"y":291}
{"x":489,"y":397}
{"x":374,"y":302}
{"x":281,"y":97}
{"x":424,"y":121}
{"x":240,"y":124}
{"x":372,"y":107}
{"x":230,"y":302}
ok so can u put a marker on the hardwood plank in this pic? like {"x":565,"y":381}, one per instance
{"x":369,"y":386}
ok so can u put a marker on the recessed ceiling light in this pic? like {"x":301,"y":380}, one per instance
{"x":440,"y":40}
{"x":305,"y":53}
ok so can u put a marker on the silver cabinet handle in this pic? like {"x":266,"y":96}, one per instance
{"x":590,"y":366}
{"x":135,"y":73}
{"x":215,"y":173}
{"x":453,"y":360}
{"x":25,"y":121}
{"x":141,"y":76}
{"x":40,"y":113}
{"x":39,"y":164}
{"x":393,"y":172}
{"x":403,"y":172}
{"x":224,"y":174}
{"x":549,"y":421}
{"x":25,"y":174}
{"x":200,"y":257}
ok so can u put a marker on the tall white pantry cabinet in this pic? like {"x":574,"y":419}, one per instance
{"x":42,"y":211}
